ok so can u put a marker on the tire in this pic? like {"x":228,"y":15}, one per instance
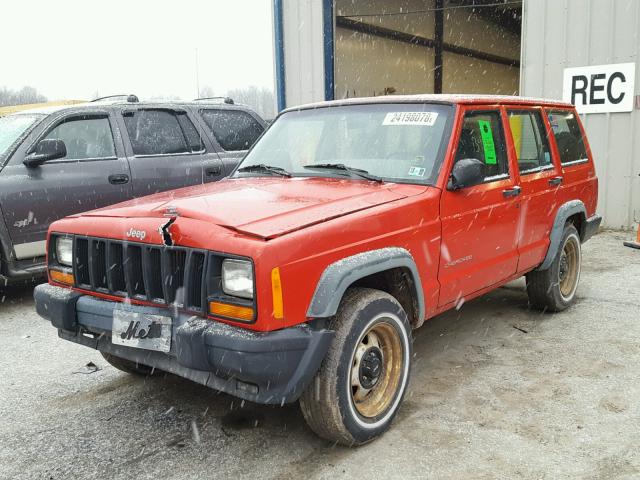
{"x":128,"y":366}
{"x":554,"y":289}
{"x":361,"y":383}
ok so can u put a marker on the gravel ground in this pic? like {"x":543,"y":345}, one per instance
{"x":497,"y":391}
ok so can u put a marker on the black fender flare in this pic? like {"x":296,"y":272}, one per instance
{"x":564,"y":212}
{"x":340,"y":275}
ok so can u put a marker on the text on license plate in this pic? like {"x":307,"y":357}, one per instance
{"x":141,"y":330}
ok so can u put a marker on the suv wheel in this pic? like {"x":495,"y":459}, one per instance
{"x":128,"y":366}
{"x":360,"y":385}
{"x":554,"y":289}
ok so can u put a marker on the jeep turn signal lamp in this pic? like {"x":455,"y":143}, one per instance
{"x":63,"y":277}
{"x":227,"y":310}
{"x":276,"y":289}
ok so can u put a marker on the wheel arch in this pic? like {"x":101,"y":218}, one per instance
{"x":574,"y":212}
{"x":391,"y":269}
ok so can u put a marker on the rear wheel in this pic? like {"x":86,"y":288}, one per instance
{"x":554,"y":289}
{"x":128,"y":366}
{"x":360,"y":385}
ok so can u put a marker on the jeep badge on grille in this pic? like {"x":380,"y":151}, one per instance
{"x":139,"y":234}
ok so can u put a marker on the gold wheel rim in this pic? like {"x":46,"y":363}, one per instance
{"x":380,"y":344}
{"x":569,"y":268}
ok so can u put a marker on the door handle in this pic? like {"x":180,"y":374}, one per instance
{"x":118,"y":179}
{"x":512,"y":192}
{"x":555,"y":181}
{"x":212,"y":170}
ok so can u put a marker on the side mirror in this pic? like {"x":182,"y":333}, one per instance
{"x":466,"y":173}
{"x":47,"y":149}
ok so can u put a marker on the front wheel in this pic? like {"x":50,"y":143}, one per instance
{"x":360,"y":385}
{"x":554,"y":289}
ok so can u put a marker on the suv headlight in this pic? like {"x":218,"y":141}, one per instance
{"x":237,"y":278}
{"x":64,"y":251}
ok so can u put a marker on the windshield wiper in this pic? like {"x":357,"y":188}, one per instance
{"x":342,"y":167}
{"x":261,"y":167}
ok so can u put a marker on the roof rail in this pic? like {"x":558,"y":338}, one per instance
{"x":227,"y":100}
{"x":130,"y":98}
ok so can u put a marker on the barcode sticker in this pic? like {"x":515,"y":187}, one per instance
{"x":411,"y":118}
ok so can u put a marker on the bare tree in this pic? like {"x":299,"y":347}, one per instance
{"x":260,"y":99}
{"x":23,"y":96}
{"x":164,"y":98}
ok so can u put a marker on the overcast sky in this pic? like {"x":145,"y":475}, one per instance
{"x":69,"y":49}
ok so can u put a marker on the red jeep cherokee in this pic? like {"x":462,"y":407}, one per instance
{"x":347,"y":225}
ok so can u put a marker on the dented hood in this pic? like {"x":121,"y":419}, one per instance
{"x":264,"y":207}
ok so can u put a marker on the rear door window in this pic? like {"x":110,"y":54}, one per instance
{"x":530,"y":141}
{"x":482,"y":138}
{"x":161,"y":132}
{"x":234,"y":129}
{"x":85,"y":138}
{"x":568,"y":135}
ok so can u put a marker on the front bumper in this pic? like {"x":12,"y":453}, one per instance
{"x":263,"y":367}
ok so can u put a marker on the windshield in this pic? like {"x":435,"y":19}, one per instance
{"x":12,"y":127}
{"x":396,"y":142}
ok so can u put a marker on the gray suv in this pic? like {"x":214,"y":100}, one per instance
{"x":58,"y":161}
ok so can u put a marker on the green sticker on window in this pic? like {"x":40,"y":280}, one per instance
{"x":487,"y":142}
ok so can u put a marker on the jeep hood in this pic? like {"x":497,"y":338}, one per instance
{"x":264,"y":207}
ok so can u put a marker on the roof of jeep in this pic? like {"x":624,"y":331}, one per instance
{"x":99,"y":105}
{"x":451,"y":99}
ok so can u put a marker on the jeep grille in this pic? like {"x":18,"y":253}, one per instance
{"x":152,"y":273}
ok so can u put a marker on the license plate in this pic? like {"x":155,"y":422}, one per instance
{"x":141,"y":330}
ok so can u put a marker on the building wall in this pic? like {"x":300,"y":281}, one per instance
{"x":303,"y":51}
{"x":365,"y":64}
{"x":558,"y":34}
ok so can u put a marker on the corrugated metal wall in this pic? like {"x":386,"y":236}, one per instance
{"x":303,"y":51}
{"x":558,"y":34}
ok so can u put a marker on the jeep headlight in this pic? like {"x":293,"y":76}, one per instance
{"x":64,"y":251}
{"x":237,"y":278}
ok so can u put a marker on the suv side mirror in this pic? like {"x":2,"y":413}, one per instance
{"x":466,"y":173}
{"x":47,"y":149}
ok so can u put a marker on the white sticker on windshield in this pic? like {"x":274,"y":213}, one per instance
{"x":410,"y":118}
{"x":417,"y":171}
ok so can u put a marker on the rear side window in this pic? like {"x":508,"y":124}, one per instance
{"x":530,"y":141}
{"x":234,"y":129}
{"x":193,"y":137}
{"x":568,"y":135}
{"x":161,"y":132}
{"x":482,"y":138}
{"x":85,"y":138}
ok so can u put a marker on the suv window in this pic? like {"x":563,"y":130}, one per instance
{"x":85,"y":138}
{"x":568,"y":135}
{"x":482,"y":138}
{"x":194,"y":140}
{"x":530,"y":141}
{"x":234,"y":129}
{"x":161,"y":132}
{"x":12,"y":127}
{"x":397,"y":142}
